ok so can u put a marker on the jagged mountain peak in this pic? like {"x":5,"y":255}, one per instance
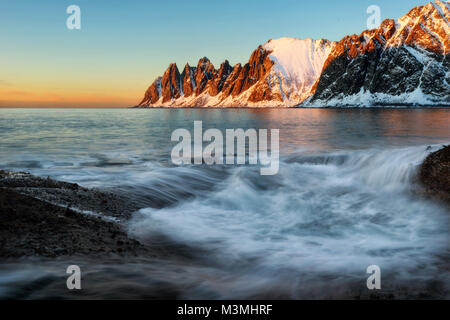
{"x":172,"y":68}
{"x":280,"y":71}
{"x":402,"y":55}
{"x":225,"y":64}
{"x":203,"y":62}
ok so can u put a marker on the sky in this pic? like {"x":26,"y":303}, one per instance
{"x":123,"y":46}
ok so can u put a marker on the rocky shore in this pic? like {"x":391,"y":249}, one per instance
{"x":48,"y":218}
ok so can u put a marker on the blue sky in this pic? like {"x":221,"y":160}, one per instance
{"x":124,"y":45}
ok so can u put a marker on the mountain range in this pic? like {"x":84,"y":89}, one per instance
{"x":403,"y":62}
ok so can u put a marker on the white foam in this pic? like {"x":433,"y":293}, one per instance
{"x":330,"y":217}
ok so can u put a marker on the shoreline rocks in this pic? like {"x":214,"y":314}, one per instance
{"x":68,"y":194}
{"x":37,"y":219}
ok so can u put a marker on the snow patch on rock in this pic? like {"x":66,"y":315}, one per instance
{"x":367,"y":99}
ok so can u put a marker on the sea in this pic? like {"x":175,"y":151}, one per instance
{"x":345,"y":198}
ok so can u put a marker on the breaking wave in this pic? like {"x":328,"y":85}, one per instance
{"x":324,"y":215}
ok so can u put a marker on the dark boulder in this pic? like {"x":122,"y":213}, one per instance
{"x":435,"y":174}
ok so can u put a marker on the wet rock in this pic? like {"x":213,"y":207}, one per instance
{"x":69,"y":195}
{"x":30,"y":227}
{"x":435,"y":174}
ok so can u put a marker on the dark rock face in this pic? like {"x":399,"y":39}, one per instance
{"x":435,"y":174}
{"x":393,"y":59}
{"x":393,"y":71}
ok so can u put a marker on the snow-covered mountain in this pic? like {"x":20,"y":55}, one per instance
{"x":279,"y":73}
{"x":298,"y":65}
{"x":403,"y":62}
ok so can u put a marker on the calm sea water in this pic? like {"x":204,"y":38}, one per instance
{"x":342,"y":201}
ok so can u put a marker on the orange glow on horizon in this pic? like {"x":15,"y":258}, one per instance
{"x":15,"y":97}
